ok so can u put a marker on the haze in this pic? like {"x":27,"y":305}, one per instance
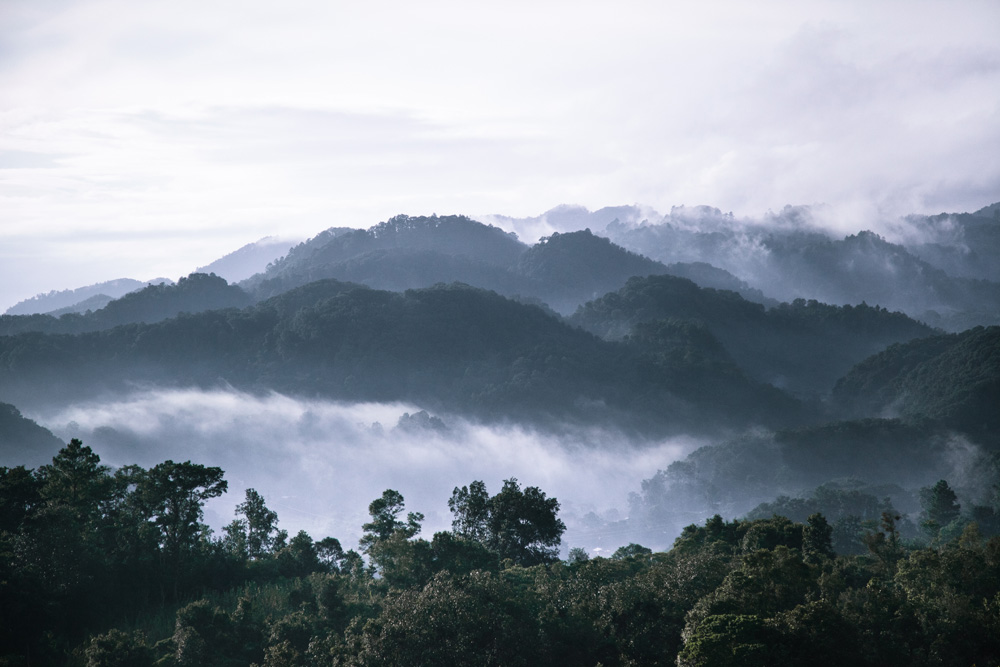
{"x":144,"y":140}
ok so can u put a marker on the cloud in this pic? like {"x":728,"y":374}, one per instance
{"x":232,"y":121}
{"x":319,"y":464}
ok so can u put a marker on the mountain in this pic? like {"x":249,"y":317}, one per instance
{"x":44,"y":303}
{"x":789,"y":256}
{"x":327,"y":255}
{"x":250,"y":259}
{"x":22,"y":441}
{"x":562,"y":270}
{"x":448,"y":348}
{"x":196,"y":293}
{"x":95,"y":302}
{"x":965,"y":245}
{"x":579,"y":266}
{"x":952,"y":380}
{"x":804,"y":346}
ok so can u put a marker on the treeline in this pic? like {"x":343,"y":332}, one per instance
{"x":803,"y":346}
{"x":449,"y":348}
{"x":106,"y":567}
{"x":196,"y":293}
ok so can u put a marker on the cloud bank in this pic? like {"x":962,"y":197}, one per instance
{"x":147,"y":139}
{"x":318,"y":464}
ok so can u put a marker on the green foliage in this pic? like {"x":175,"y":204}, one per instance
{"x":259,"y":522}
{"x":385,"y":521}
{"x":952,"y":379}
{"x":522,"y":526}
{"x":84,"y":551}
{"x":804,"y":345}
{"x":940,"y":505}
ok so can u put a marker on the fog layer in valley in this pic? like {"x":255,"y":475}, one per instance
{"x":319,"y":463}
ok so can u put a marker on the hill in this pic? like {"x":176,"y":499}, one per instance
{"x":789,"y":256}
{"x":446,"y":348}
{"x":952,"y":380}
{"x":22,"y":441}
{"x":196,"y":293}
{"x":802,"y":346}
{"x":249,"y":259}
{"x":44,"y":303}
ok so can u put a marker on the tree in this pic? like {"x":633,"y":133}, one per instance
{"x":330,"y":553}
{"x":385,"y":522}
{"x":260,"y":524}
{"x":817,"y":539}
{"x":77,"y":479}
{"x":631,"y":550}
{"x":520,"y":525}
{"x":173,"y":495}
{"x":470,"y":505}
{"x":940,"y":506}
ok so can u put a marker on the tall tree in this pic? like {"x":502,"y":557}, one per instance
{"x":471,"y":507}
{"x":385,"y":521}
{"x":77,"y":479}
{"x":261,"y":522}
{"x":173,"y":496}
{"x":940,"y":506}
{"x":523,"y":526}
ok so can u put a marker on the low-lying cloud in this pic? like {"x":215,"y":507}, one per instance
{"x":319,"y":463}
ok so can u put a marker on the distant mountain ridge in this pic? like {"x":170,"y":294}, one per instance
{"x":69,"y":299}
{"x":804,"y":346}
{"x":562,"y":270}
{"x":249,"y":259}
{"x":937,"y":276}
{"x":195,"y":293}
{"x":451,"y":347}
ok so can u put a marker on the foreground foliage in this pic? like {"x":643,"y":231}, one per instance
{"x":103,"y":567}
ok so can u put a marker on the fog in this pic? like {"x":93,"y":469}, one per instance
{"x":319,"y":463}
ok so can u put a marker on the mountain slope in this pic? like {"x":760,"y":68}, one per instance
{"x":44,"y":303}
{"x":787,"y":257}
{"x":22,"y":441}
{"x":196,"y":293}
{"x":324,"y":255}
{"x":952,"y":379}
{"x":802,"y":346}
{"x":451,"y":348}
{"x":248,"y":260}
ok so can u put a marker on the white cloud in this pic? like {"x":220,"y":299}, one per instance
{"x":319,"y":463}
{"x":230,"y":121}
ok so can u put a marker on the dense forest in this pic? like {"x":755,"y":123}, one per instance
{"x":807,"y":427}
{"x":115,"y":567}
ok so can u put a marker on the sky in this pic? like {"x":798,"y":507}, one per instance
{"x":145,"y":139}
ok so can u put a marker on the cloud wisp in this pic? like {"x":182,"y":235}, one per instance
{"x":136,"y":139}
{"x":319,"y":464}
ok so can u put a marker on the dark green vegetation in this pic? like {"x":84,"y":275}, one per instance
{"x":953,"y":380}
{"x":451,"y":348}
{"x":845,"y":420}
{"x":562,"y":270}
{"x":944,"y":271}
{"x":803,"y":346}
{"x":114,"y":567}
{"x":21,"y":439}
{"x":154,"y":303}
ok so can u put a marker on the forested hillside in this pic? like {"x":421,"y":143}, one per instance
{"x":194,"y":294}
{"x":804,"y":346}
{"x":801,"y":472}
{"x":952,"y":380}
{"x":452,"y":348}
{"x":107,"y":567}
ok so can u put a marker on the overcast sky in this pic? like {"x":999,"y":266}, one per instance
{"x":144,"y":139}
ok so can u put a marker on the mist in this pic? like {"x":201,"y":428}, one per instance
{"x":319,"y":464}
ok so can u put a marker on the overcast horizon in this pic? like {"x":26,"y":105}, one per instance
{"x":145,"y":140}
